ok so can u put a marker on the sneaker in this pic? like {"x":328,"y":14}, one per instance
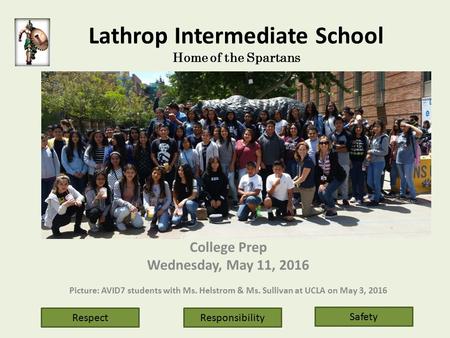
{"x":402,"y":197}
{"x":56,"y":233}
{"x":314,"y":212}
{"x":153,"y":223}
{"x":121,"y":226}
{"x":271,"y":216}
{"x":289,"y":218}
{"x":80,"y":231}
{"x":412,"y":200}
{"x":330,"y":214}
{"x":352,"y":200}
{"x":191,"y":223}
{"x":373,"y":204}
{"x":345,"y":203}
{"x":359,"y":202}
{"x":252,"y":217}
{"x":93,"y":227}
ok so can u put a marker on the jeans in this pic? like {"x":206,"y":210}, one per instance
{"x":374,"y":172}
{"x":121,"y":213}
{"x":231,"y":184}
{"x":292,"y":168}
{"x":163,"y":221}
{"x":406,"y":173}
{"x":326,"y":196}
{"x":190,"y":207}
{"x":357,"y":176}
{"x":394,"y":175}
{"x":244,"y":210}
{"x":343,"y":188}
{"x":46,"y":188}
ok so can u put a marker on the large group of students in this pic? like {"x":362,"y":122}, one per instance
{"x":184,"y":160}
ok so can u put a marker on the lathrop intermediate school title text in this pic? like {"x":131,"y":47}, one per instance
{"x":268,"y":35}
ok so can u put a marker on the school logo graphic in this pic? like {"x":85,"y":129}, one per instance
{"x":32,"y":42}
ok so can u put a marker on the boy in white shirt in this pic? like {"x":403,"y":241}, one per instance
{"x":280,"y":189}
{"x":249,"y":189}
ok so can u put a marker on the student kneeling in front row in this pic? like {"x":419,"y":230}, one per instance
{"x":249,"y":189}
{"x":280,"y":189}
{"x":64,"y":202}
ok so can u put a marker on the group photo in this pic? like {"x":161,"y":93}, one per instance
{"x":271,"y":154}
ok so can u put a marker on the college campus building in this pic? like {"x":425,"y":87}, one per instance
{"x":386,"y":95}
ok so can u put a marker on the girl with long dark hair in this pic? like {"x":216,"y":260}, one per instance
{"x":127,"y":200}
{"x":179,"y":135}
{"x":184,"y":196}
{"x":378,"y":149}
{"x":133,"y":136}
{"x":290,"y":143}
{"x":114,"y":169}
{"x":294,"y":117}
{"x":95,"y":152}
{"x":142,"y":157}
{"x":227,"y":158}
{"x":247,"y":150}
{"x":72,"y":161}
{"x":157,"y":199}
{"x":215,"y":185}
{"x":312,"y":118}
{"x":358,"y":151}
{"x":119,"y":144}
{"x":189,"y":124}
{"x":212,"y":120}
{"x":98,"y":202}
{"x":328,"y":120}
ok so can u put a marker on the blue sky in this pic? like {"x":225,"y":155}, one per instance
{"x":150,"y":77}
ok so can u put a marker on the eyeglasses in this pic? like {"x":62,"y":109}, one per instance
{"x":323,"y":143}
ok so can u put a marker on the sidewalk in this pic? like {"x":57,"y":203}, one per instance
{"x":394,"y":218}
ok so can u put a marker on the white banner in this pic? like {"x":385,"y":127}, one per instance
{"x":426,"y":109}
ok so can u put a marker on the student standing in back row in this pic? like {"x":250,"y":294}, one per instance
{"x":49,"y":171}
{"x":407,"y":157}
{"x":272,"y":149}
{"x":341,"y":141}
{"x":378,"y":149}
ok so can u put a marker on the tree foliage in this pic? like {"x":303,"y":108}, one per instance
{"x":90,"y":96}
{"x":210,"y":85}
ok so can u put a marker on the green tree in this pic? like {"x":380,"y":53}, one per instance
{"x":90,"y":96}
{"x":209,"y":85}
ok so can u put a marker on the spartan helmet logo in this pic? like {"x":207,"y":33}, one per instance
{"x":30,"y":25}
